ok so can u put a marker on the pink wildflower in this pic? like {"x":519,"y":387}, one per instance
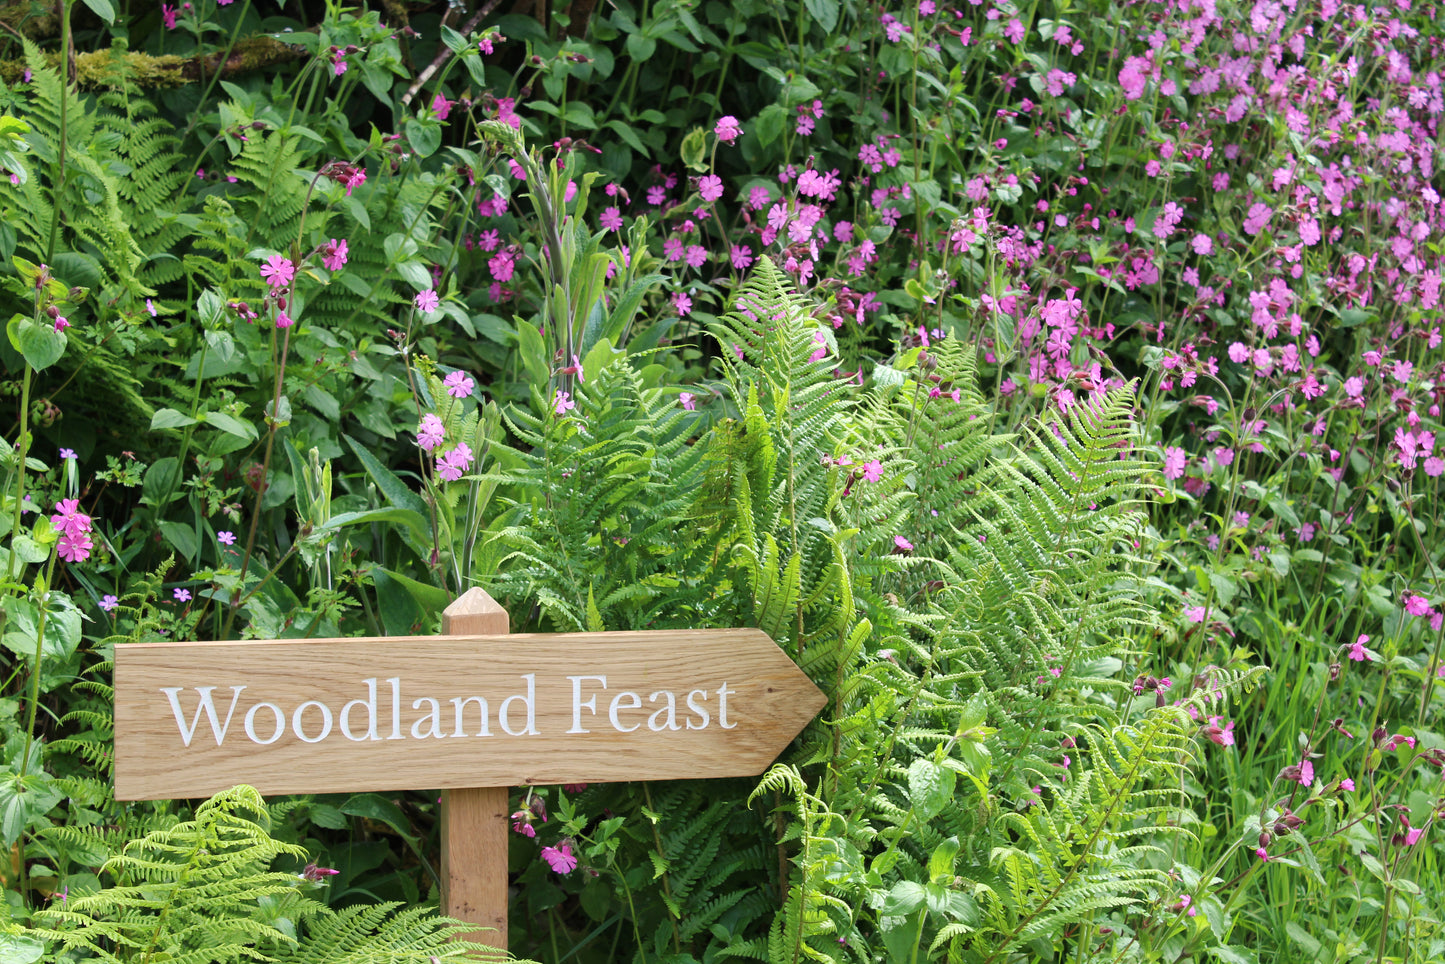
{"x":560,"y":858}
{"x":727,"y":129}
{"x":459,"y":384}
{"x":1174,"y":462}
{"x":430,"y":432}
{"x":68,"y":518}
{"x":278,"y":271}
{"x":1358,"y":653}
{"x":452,"y":465}
{"x":333,"y":254}
{"x":74,"y":547}
{"x":1222,"y":735}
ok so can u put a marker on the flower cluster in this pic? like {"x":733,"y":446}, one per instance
{"x":74,"y":527}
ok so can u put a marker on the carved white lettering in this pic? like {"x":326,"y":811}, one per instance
{"x":434,"y":715}
{"x":203,"y":707}
{"x":368,"y":704}
{"x":722,"y":706}
{"x":670,"y":709}
{"x":578,"y":703}
{"x":251,"y":723}
{"x":529,"y":701}
{"x":325,"y":722}
{"x":699,"y":710}
{"x":395,"y":682}
{"x":633,"y":702}
{"x":461,"y":705}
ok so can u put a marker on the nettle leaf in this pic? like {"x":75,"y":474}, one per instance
{"x":930,"y":788}
{"x":905,"y":898}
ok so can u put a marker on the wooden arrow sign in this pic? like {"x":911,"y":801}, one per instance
{"x":474,"y":710}
{"x":428,"y":712}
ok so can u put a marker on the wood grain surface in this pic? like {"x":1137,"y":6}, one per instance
{"x":338,"y":715}
{"x":475,"y":821}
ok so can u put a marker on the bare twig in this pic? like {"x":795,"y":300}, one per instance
{"x":445,"y":53}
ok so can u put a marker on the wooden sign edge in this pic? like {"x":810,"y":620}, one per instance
{"x":810,"y":698}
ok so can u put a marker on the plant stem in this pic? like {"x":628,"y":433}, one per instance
{"x":65,"y":81}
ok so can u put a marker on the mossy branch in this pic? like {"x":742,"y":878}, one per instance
{"x":101,"y":70}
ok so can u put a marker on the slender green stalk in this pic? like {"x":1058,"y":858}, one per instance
{"x":60,"y":157}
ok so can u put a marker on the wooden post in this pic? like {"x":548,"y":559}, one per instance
{"x":475,"y":821}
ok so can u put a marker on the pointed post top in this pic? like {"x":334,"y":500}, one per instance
{"x":475,"y":612}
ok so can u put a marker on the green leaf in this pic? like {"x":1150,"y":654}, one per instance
{"x":1303,"y":938}
{"x":415,"y":273}
{"x":230,"y":423}
{"x":170,"y":418}
{"x":454,"y":40}
{"x":601,"y":355}
{"x":640,"y":47}
{"x":580,"y":114}
{"x":825,"y":12}
{"x":17,"y":949}
{"x":278,"y":412}
{"x":41,"y":345}
{"x":415,"y":521}
{"x":930,"y":788}
{"x":430,"y":598}
{"x":940,"y":862}
{"x":375,"y":807}
{"x":424,"y":135}
{"x":399,"y":612}
{"x":770,"y":123}
{"x":628,"y":135}
{"x":905,"y":898}
{"x":160,"y":480}
{"x":28,"y":550}
{"x":397,"y":492}
{"x":102,"y":9}
{"x":24,"y":801}
{"x":477,"y":68}
{"x":327,"y":816}
{"x":534,"y":353}
{"x":694,"y":150}
{"x":182,"y":538}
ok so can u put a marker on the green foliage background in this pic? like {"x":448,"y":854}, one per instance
{"x":1029,"y":751}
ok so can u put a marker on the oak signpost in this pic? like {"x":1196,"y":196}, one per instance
{"x":473,"y":712}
